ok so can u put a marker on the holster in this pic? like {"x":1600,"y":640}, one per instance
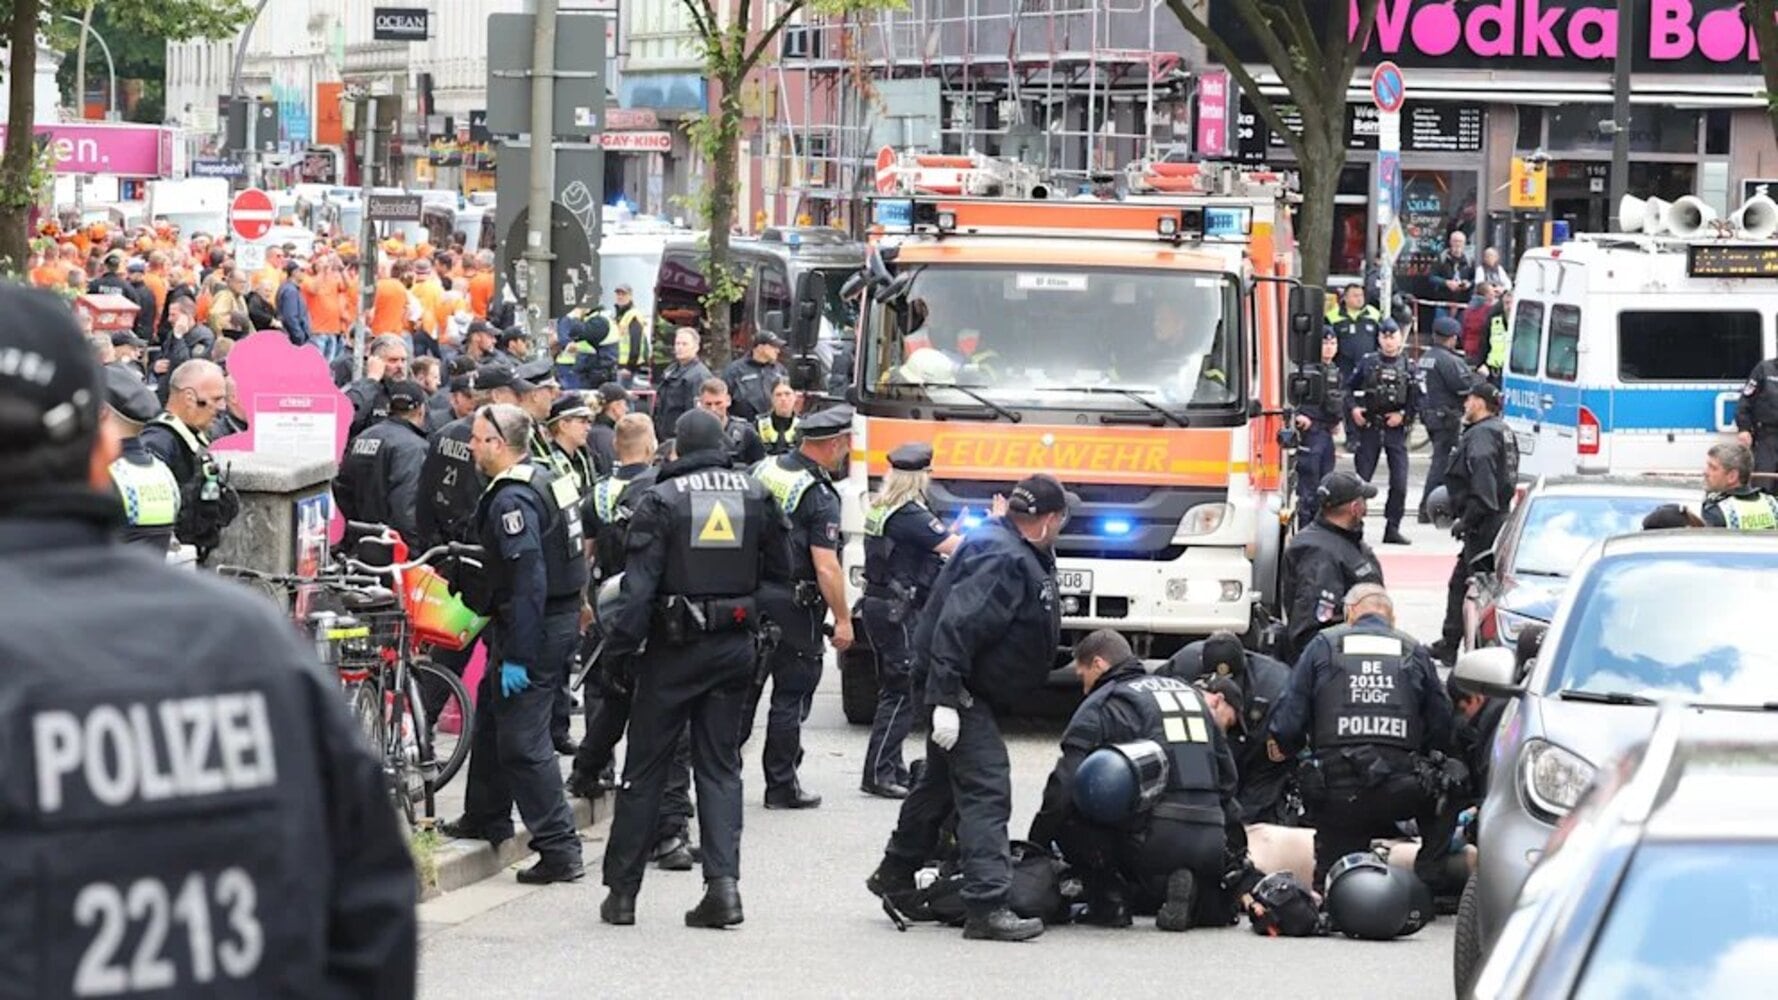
{"x":681,"y":620}
{"x":807,"y":594}
{"x":765,"y":641}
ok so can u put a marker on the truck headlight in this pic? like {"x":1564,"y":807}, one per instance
{"x":1553,"y":778}
{"x":1204,"y":519}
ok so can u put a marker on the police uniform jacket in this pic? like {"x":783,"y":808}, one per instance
{"x":744,"y":445}
{"x":199,"y":342}
{"x":601,"y":443}
{"x":1745,"y":509}
{"x":1357,"y":333}
{"x":1378,"y":392}
{"x":1128,"y":704}
{"x":530,"y":528}
{"x":1444,"y":382}
{"x":370,"y":403}
{"x":1321,"y":563}
{"x":778,"y":435}
{"x":450,"y":487}
{"x":750,"y":386}
{"x":149,"y":493}
{"x":1332,"y":408}
{"x":187,"y":453}
{"x":250,"y":795}
{"x":675,"y":393}
{"x":899,"y":546}
{"x":702,"y":532}
{"x":1364,"y":684}
{"x":607,"y":509}
{"x":1756,"y":412}
{"x":993,"y":621}
{"x":806,"y":496}
{"x":379,"y":478}
{"x":1484,"y":472}
{"x":1261,"y":779}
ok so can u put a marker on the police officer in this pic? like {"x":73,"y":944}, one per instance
{"x":1483,"y":475}
{"x":450,"y":482}
{"x":1368,"y":702}
{"x":570,"y":424}
{"x":273,"y":822}
{"x":1315,"y":428}
{"x":143,"y":483}
{"x":1384,"y":399}
{"x":198,"y":391}
{"x":701,"y":542}
{"x":531,"y":532}
{"x":1355,"y":324}
{"x":538,"y":390}
{"x":802,"y":485}
{"x":904,"y":548}
{"x":613,"y":403}
{"x":386,"y":362}
{"x":988,"y":643}
{"x":676,"y":390}
{"x":745,"y":448}
{"x":778,"y":429}
{"x":1259,"y":682}
{"x":632,"y":333}
{"x":1756,"y":421}
{"x":750,"y":379}
{"x":1444,"y":382}
{"x":379,"y":478}
{"x":1171,"y":856}
{"x":1325,"y":560}
{"x":1731,"y":502}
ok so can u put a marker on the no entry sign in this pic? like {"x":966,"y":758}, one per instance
{"x":251,"y":214}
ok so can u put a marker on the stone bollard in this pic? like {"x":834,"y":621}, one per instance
{"x":285,"y":507}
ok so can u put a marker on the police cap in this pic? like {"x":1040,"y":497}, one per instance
{"x":126,"y":394}
{"x":1037,"y":494}
{"x":1445,"y":327}
{"x":49,"y":379}
{"x":1228,"y":689}
{"x":539,"y":373}
{"x":126,"y":338}
{"x":482,"y":326}
{"x":1486,"y":392}
{"x":463,"y":383}
{"x":698,"y":430}
{"x":593,"y":330}
{"x":913,"y":457}
{"x":1343,"y":487}
{"x":1225,"y":656}
{"x":828,"y":423}
{"x":612,"y":392}
{"x":490,"y":377}
{"x":570,"y":406}
{"x":405,"y":395}
{"x":508,"y":335}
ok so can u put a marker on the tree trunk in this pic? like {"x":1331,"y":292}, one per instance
{"x":1320,"y":176}
{"x":15,"y":166}
{"x":1759,"y":14}
{"x":724,"y":170}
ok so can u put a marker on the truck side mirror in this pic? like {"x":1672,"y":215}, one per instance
{"x":1306,"y":389}
{"x":1303,"y":345}
{"x":806,"y":374}
{"x":805,"y":316}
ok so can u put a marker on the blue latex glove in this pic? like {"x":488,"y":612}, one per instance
{"x":513,"y":679}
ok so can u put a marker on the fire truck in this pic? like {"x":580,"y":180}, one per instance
{"x":1136,"y":349}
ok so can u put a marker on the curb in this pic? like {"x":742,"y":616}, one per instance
{"x":465,"y":862}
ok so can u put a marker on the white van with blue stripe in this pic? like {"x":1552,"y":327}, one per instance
{"x":1628,"y":352}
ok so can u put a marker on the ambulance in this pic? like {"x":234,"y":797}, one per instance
{"x":1135,"y":349}
{"x":1629,"y":350}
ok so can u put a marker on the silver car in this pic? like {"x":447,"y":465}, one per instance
{"x":1648,"y":618}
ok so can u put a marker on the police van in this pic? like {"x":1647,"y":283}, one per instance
{"x":1629,"y":350}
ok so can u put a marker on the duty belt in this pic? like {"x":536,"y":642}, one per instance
{"x":891,"y":591}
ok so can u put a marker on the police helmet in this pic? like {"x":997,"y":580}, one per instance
{"x":608,"y":602}
{"x":1117,"y":783}
{"x":1365,"y":899}
{"x":1438,"y":507}
{"x":1420,"y":904}
{"x":1287,"y":908}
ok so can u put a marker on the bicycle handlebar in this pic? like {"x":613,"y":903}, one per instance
{"x":424,"y":558}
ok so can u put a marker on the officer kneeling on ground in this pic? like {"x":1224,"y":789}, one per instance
{"x":1260,"y":682}
{"x":700,"y":543}
{"x":1142,"y":802}
{"x":195,"y":762}
{"x":1368,"y":702}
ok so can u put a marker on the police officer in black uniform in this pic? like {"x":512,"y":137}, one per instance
{"x":750,"y":379}
{"x":1483,"y":475}
{"x":1325,"y":560}
{"x":1368,"y":702}
{"x":612,"y":402}
{"x":379,"y":478}
{"x":1260,"y":681}
{"x":802,"y":484}
{"x":1355,"y":324}
{"x":1384,"y":399}
{"x":744,"y":445}
{"x":1444,"y":382}
{"x":988,"y":643}
{"x":1315,"y":429}
{"x":904,"y":548}
{"x":701,"y":542}
{"x":1171,"y":856}
{"x":1756,"y":421}
{"x":450,"y":482}
{"x":198,"y":391}
{"x":143,"y":483}
{"x":530,"y":527}
{"x":272,"y":829}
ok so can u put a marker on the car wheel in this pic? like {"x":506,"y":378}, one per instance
{"x":858,"y":685}
{"x":1466,"y":957}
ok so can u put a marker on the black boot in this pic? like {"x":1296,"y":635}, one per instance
{"x":463,"y":829}
{"x":1001,"y":925}
{"x":619,"y":908}
{"x":1392,"y":535}
{"x":547,"y":870}
{"x":1182,"y":897}
{"x":720,"y":907}
{"x":791,"y":797}
{"x":673,"y":854}
{"x":891,"y":880}
{"x":1106,"y":906}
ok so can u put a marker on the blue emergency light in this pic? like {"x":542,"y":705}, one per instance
{"x":1228,"y":221}
{"x":1115,"y":527}
{"x":893,"y":212}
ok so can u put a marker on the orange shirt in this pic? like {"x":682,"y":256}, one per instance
{"x":388,"y":312}
{"x":328,"y":300}
{"x":157,"y":283}
{"x":481,"y":293}
{"x":53,"y":274}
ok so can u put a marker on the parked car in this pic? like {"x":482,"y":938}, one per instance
{"x":1660,"y":883}
{"x":1543,"y":540}
{"x":1648,"y":617}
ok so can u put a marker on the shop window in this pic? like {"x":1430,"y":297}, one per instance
{"x":1530,"y":129}
{"x":1355,"y":179}
{"x":1701,"y":346}
{"x":1563,"y":361}
{"x":1716,"y":132}
{"x":1527,"y":337}
{"x":1350,"y":223}
{"x":1574,"y":128}
{"x":1434,"y":204}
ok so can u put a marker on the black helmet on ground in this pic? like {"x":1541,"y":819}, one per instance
{"x":1365,"y":900}
{"x":1438,"y":507}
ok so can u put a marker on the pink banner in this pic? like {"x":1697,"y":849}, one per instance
{"x":1213,"y":114}
{"x":97,"y":148}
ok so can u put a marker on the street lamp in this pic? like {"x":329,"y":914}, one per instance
{"x":110,"y":67}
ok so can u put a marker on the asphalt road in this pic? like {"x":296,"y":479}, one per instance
{"x":813,"y":931}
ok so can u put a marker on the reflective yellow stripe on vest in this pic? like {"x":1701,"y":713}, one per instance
{"x":196,"y":441}
{"x":621,"y":330}
{"x":149,"y":493}
{"x":1750,"y":513}
{"x":768,"y":432}
{"x":787,"y":487}
{"x":605,"y":494}
{"x":573,"y":351}
{"x":1497,"y":343}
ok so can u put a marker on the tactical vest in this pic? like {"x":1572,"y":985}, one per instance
{"x":458,"y":487}
{"x":573,"y":351}
{"x":576,"y":466}
{"x":628,"y":353}
{"x":607,"y":502}
{"x":149,"y":493}
{"x":887,"y":561}
{"x":1386,"y":390}
{"x":1497,"y":343}
{"x":206,"y":505}
{"x":1750,"y":513}
{"x":563,"y":557}
{"x":775,"y":442}
{"x":788,"y":486}
{"x":713,"y":537}
{"x":1365,"y":698}
{"x":1174,"y":715}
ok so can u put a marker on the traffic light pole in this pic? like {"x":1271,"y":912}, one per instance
{"x":538,"y":256}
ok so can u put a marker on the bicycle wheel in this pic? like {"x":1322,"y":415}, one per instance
{"x":402,"y":748}
{"x":445,"y":694}
{"x":365,"y":702}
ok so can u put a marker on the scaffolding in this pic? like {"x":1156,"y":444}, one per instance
{"x":1077,"y":87}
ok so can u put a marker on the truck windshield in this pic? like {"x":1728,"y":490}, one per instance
{"x":1032,"y":333}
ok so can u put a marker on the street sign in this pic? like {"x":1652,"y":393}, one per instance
{"x":217,"y":168}
{"x":579,"y":95}
{"x":393,"y":207}
{"x":574,"y":278}
{"x":250,"y":256}
{"x":250,"y":215}
{"x":886,"y":170}
{"x":1388,"y":183}
{"x":579,"y":191}
{"x":1389,"y":131}
{"x":1394,"y":240}
{"x":1388,"y":89}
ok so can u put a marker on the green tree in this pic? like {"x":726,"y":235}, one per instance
{"x":140,"y":55}
{"x":1762,"y":17}
{"x":1307,"y":44}
{"x":731,"y":51}
{"x":20,"y":21}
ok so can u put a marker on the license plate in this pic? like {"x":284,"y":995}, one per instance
{"x":1074,"y":581}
